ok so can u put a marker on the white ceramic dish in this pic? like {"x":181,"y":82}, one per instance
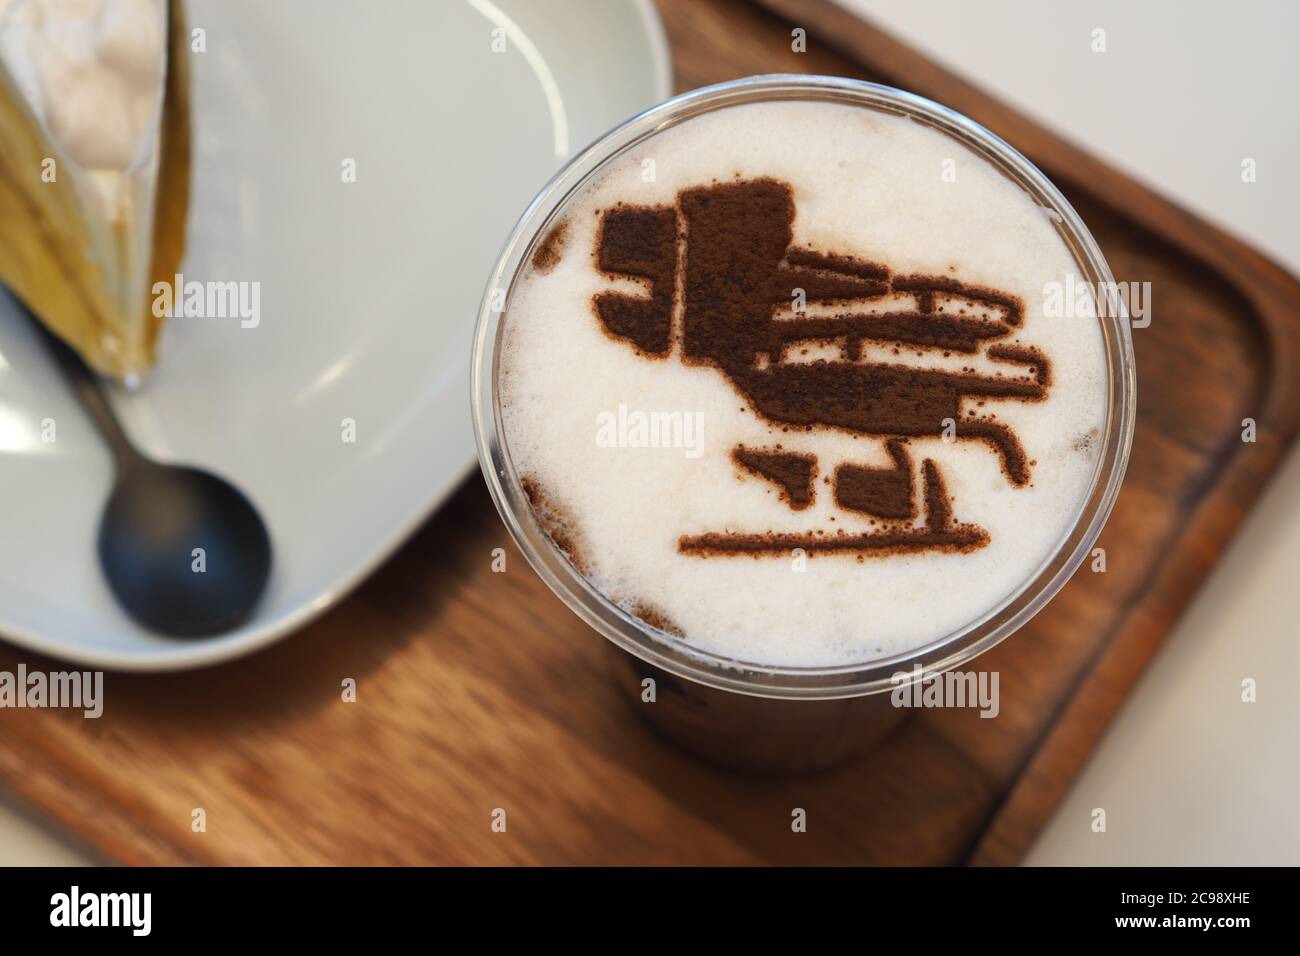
{"x":368,"y":291}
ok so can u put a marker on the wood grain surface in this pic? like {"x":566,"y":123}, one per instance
{"x":478,"y":690}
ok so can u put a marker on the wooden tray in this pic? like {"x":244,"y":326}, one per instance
{"x":479,"y":691}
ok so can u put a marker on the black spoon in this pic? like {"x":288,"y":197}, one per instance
{"x":185,"y":553}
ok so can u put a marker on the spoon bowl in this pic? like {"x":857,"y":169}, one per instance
{"x":184,"y":551}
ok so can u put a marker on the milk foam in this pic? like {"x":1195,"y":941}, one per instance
{"x":865,"y":184}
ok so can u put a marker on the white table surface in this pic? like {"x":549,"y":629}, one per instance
{"x":1184,"y":92}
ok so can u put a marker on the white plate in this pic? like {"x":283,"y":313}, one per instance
{"x":368,"y":292}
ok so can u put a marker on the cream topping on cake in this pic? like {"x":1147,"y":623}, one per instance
{"x":92,"y":73}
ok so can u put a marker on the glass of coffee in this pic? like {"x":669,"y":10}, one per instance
{"x":800,"y":390}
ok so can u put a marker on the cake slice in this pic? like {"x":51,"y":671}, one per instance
{"x":94,"y":172}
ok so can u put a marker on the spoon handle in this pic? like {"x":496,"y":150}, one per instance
{"x":85,"y":384}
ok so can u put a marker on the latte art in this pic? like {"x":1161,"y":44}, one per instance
{"x":896,"y":435}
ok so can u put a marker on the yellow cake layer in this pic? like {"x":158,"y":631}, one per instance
{"x":62,"y":259}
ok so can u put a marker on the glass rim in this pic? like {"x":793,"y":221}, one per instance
{"x":673,"y":654}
